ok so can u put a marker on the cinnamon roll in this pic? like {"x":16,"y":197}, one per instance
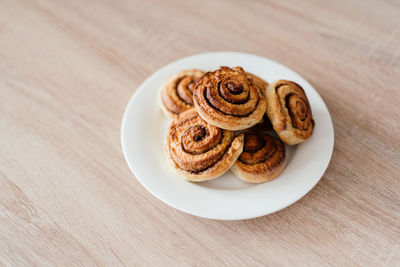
{"x":229,"y":98}
{"x":177,"y":92}
{"x":289,"y":111}
{"x":258,"y":82}
{"x":199,"y":151}
{"x":263,"y":158}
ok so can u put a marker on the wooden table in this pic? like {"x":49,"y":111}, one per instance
{"x":67,"y":70}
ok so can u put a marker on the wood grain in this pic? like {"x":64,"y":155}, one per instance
{"x":67,"y":70}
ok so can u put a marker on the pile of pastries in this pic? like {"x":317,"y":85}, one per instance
{"x":232,"y":119}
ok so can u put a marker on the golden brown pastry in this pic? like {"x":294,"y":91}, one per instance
{"x":199,"y":151}
{"x":257,"y":81}
{"x":229,"y":98}
{"x":262,"y":159}
{"x":177,"y":92}
{"x":289,"y":111}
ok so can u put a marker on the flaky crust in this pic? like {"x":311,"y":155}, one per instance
{"x":263,"y":159}
{"x":257,"y":81}
{"x":177,"y":92}
{"x":199,"y":151}
{"x":230,"y":98}
{"x":289,"y":112}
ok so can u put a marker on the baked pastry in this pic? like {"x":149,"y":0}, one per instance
{"x":177,"y":92}
{"x":289,"y":111}
{"x":257,"y":81}
{"x":262,"y":159}
{"x":199,"y":151}
{"x":264,"y":124}
{"x":229,"y":98}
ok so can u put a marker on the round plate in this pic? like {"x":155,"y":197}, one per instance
{"x":144,"y":128}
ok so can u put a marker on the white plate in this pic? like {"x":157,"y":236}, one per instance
{"x":227,"y":198}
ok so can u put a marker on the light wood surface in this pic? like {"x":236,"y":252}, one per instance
{"x":67,"y":70}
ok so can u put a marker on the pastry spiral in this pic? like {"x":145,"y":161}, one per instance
{"x":199,"y":151}
{"x":177,"y":92}
{"x":289,"y":111}
{"x":262,"y":159}
{"x":229,"y":98}
{"x":258,"y":82}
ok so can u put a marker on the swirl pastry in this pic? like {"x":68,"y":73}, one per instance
{"x":258,"y":82}
{"x":177,"y":92}
{"x":199,"y":151}
{"x":229,"y":98}
{"x":289,"y":112}
{"x":262,"y":159}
